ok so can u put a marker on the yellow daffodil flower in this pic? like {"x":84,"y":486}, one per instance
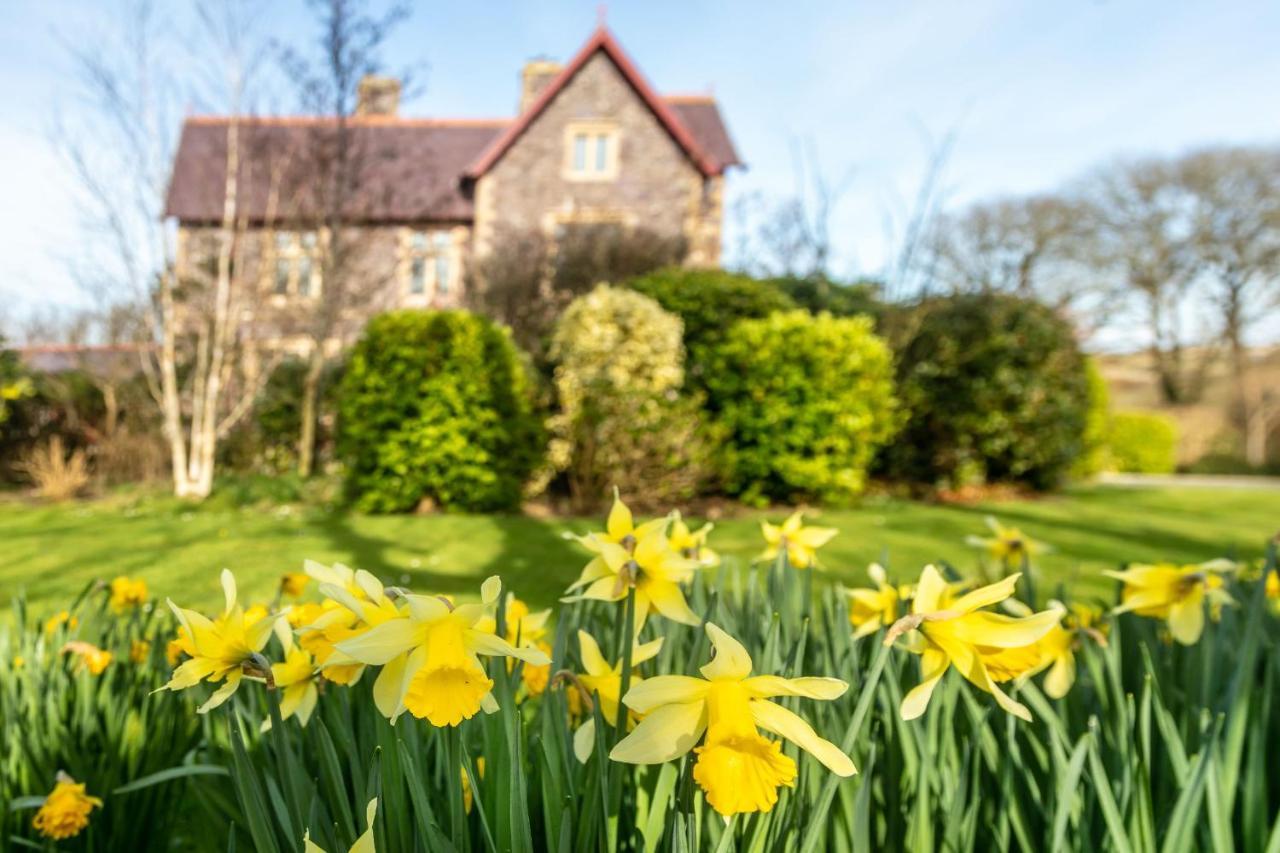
{"x":91,"y":657}
{"x":1176,"y":594}
{"x":429,"y":658}
{"x":602,"y":682}
{"x":985,"y":647}
{"x":296,"y":676}
{"x":526,"y":629}
{"x":801,"y":543}
{"x":294,"y":584}
{"x":57,"y":620}
{"x":222,"y":648}
{"x":355,"y":601}
{"x":1009,"y":545}
{"x":738,"y":769}
{"x":642,"y":558}
{"x":65,"y":812}
{"x":1272,"y":589}
{"x":177,"y":647}
{"x":364,"y":844}
{"x":692,"y":544}
{"x":127,"y":594}
{"x":869,"y":609}
{"x":139,"y":650}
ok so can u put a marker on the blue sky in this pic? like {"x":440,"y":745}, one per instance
{"x":1035,"y":92}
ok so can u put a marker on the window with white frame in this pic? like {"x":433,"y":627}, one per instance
{"x":591,"y":151}
{"x":295,"y":271}
{"x":429,"y":268}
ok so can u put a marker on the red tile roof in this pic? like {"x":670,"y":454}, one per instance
{"x":414,"y":168}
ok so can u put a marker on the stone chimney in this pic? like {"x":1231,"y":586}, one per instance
{"x":534,"y":78}
{"x":378,"y":96}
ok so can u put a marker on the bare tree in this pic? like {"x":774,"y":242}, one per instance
{"x":1235,"y":235}
{"x":1139,"y":235}
{"x":193,"y":341}
{"x":336,"y":161}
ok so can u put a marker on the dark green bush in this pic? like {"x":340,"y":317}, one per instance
{"x":435,"y":404}
{"x":805,"y":402}
{"x":709,"y":301}
{"x":1142,"y":442}
{"x":994,"y":390}
{"x":817,"y":293}
{"x":267,"y":442}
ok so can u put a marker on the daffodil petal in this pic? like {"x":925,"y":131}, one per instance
{"x":1186,"y":617}
{"x":1003,"y":632}
{"x":985,"y":596}
{"x":646,"y":695}
{"x":789,"y":726}
{"x":223,"y":693}
{"x":365,"y":843}
{"x":933,"y":664}
{"x":666,"y":734}
{"x":646,"y":651}
{"x":731,"y":659}
{"x":619,"y":523}
{"x":815,"y":537}
{"x":1061,"y":676}
{"x":381,"y":643}
{"x":767,"y":686}
{"x":592,"y":661}
{"x":228,"y":589}
{"x":668,"y":599}
{"x":584,"y":740}
{"x":388,"y":689}
{"x":929,"y":592}
{"x":492,"y":644}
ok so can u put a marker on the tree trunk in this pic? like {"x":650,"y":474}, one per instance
{"x":309,"y":412}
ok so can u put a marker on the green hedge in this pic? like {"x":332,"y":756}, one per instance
{"x":1143,"y":442}
{"x":435,"y":404}
{"x":805,"y":402}
{"x":1093,"y":458}
{"x":995,"y":391}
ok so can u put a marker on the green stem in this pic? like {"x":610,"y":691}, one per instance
{"x":457,"y":810}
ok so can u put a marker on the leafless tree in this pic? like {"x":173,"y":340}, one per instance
{"x":1235,"y":197}
{"x":193,"y":342}
{"x":336,"y":162}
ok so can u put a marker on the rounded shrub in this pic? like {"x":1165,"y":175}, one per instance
{"x":622,"y":421}
{"x":804,"y":402}
{"x":994,"y":389}
{"x":1142,"y":442}
{"x":709,"y":301}
{"x":435,"y":405}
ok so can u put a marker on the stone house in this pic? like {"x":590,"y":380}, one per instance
{"x":592,"y":145}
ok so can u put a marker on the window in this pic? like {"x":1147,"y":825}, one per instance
{"x":295,"y":271}
{"x":592,"y":151}
{"x":429,"y":268}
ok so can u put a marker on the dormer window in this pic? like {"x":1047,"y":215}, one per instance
{"x":591,"y":151}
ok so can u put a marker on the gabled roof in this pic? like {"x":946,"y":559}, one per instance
{"x":603,"y":41}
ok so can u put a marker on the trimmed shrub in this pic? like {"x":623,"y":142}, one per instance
{"x":805,"y":403}
{"x":1093,"y":456}
{"x":709,"y":301}
{"x":435,"y":405}
{"x":622,"y":422}
{"x":1143,"y":442}
{"x":817,"y":294}
{"x":994,"y":390}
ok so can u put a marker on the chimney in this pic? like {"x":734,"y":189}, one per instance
{"x":534,"y":79}
{"x":378,"y":96}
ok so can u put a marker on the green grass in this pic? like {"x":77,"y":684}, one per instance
{"x":51,"y":552}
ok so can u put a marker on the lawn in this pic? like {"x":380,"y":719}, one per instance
{"x":51,"y":552}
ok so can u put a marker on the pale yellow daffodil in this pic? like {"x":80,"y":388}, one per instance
{"x":692,"y":544}
{"x":985,"y":647}
{"x":222,"y":648}
{"x":738,"y":769}
{"x":429,"y":658}
{"x":1176,"y":594}
{"x":1009,"y":545}
{"x":603,"y":682}
{"x":524,"y":628}
{"x":296,"y":678}
{"x":800,"y":543}
{"x":127,"y":594}
{"x":354,"y":602}
{"x":364,"y":844}
{"x":1272,"y":589}
{"x":870,"y":609}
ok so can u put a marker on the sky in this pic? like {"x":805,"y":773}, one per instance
{"x":1033,"y":94}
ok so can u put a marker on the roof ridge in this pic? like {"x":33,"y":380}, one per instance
{"x":365,"y":121}
{"x":689,"y":98}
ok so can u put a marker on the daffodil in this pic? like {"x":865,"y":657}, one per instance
{"x":738,"y":769}
{"x":1272,"y":589}
{"x":429,"y":658}
{"x":869,"y":609}
{"x":91,"y":657}
{"x":222,"y":648}
{"x":127,"y":593}
{"x":355,"y":602}
{"x":642,"y":559}
{"x":293,"y":584}
{"x":1176,"y":594}
{"x":57,"y":620}
{"x":177,"y":647}
{"x":602,"y":681}
{"x":692,"y":544}
{"x":800,"y":543}
{"x":364,"y":844}
{"x":296,"y":678}
{"x":526,"y":629}
{"x":65,"y":812}
{"x":139,"y":650}
{"x":987,"y":648}
{"x":1009,"y":545}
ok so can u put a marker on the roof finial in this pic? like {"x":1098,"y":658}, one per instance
{"x":602,"y":12}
